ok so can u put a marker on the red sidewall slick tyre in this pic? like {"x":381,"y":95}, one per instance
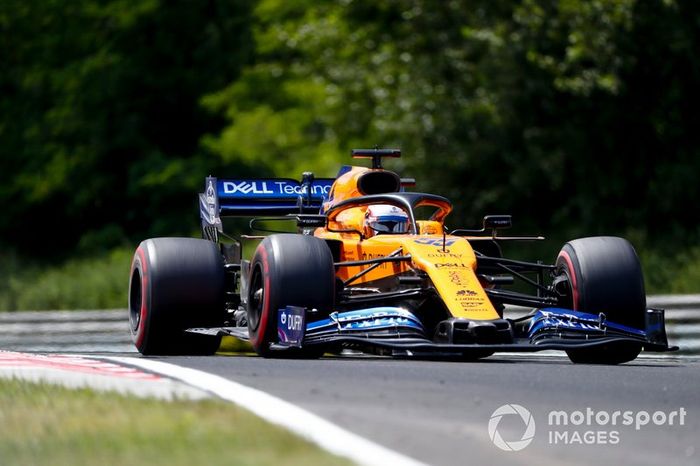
{"x":139,"y":298}
{"x":287,"y":270}
{"x":605,"y":276}
{"x":175,"y":284}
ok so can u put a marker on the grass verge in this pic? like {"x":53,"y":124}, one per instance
{"x":44,"y":424}
{"x":99,"y":282}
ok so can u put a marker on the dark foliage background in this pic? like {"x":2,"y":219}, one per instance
{"x":580,"y":117}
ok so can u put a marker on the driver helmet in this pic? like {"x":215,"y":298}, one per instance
{"x":385,"y":219}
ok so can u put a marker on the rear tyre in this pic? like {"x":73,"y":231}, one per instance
{"x":287,"y":270}
{"x":176,"y":284}
{"x":604,"y":275}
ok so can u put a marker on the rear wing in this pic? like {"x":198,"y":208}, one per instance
{"x":264,"y":196}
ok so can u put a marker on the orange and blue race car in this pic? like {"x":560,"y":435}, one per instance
{"x":373,"y":268}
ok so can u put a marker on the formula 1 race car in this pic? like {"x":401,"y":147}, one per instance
{"x":373,"y":268}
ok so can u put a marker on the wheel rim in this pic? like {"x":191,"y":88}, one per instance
{"x":135,"y":300}
{"x":564,"y":288}
{"x":565,"y":282}
{"x":256,"y":296}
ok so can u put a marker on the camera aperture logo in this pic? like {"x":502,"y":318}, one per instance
{"x":579,"y":427}
{"x":528,"y":421}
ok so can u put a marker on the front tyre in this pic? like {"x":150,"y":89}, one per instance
{"x":287,"y":270}
{"x":604,"y":275}
{"x":176,"y":284}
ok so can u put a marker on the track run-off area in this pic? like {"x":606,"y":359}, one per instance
{"x":506,"y":409}
{"x":387,"y":411}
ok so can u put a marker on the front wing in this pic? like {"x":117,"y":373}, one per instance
{"x":396,"y":331}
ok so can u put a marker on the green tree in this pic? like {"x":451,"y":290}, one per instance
{"x":577,"y":116}
{"x":100,"y":119}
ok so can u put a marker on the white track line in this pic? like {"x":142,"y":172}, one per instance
{"x":277,"y":411}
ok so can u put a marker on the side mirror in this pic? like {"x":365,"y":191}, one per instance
{"x":497,"y":222}
{"x":310,"y":220}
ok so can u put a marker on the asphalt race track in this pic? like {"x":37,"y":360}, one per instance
{"x":439,"y":411}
